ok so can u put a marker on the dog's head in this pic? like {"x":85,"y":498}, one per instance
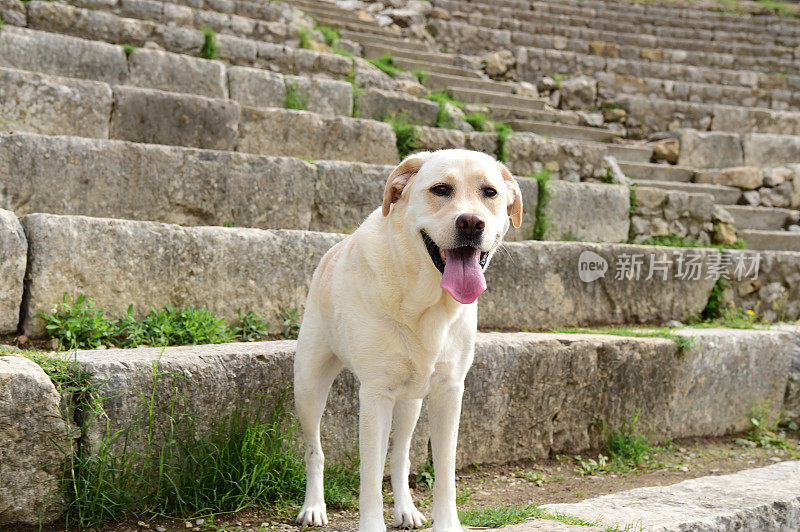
{"x":455,"y":205}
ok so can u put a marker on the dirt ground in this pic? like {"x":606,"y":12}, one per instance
{"x":522,"y":483}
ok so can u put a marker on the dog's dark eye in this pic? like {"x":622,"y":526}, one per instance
{"x":489,"y":192}
{"x":441,"y":190}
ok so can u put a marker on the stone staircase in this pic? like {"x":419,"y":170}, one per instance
{"x":146,"y":159}
{"x":687,"y":68}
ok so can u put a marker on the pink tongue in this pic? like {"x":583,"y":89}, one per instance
{"x":463,"y":276}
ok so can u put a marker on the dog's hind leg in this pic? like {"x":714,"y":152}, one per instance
{"x":315,"y":368}
{"x":405,"y":417}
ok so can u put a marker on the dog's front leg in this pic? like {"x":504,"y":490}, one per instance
{"x":374,"y":424}
{"x":444,"y":410}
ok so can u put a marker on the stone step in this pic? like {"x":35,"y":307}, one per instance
{"x":65,"y":106}
{"x":428,"y":67}
{"x":563,"y":131}
{"x":760,"y":218}
{"x":490,"y":98}
{"x":664,"y":26}
{"x":722,"y":195}
{"x":97,"y":25}
{"x":510,"y":114}
{"x":374,"y":49}
{"x":658,"y":172}
{"x":395,"y":44}
{"x":338,"y":21}
{"x":778,"y":240}
{"x":435,"y":81}
{"x":630,"y":153}
{"x":191,"y":264}
{"x":765,"y":498}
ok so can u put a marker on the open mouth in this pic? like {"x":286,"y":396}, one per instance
{"x":439,"y":257}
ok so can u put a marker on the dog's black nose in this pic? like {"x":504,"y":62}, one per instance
{"x":470,"y":225}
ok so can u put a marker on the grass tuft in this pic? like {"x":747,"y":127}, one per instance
{"x":406,"y":135}
{"x":684,"y":343}
{"x":128,"y":49}
{"x":443,"y":97}
{"x":294,"y":100}
{"x":628,"y":448}
{"x":332,"y":35}
{"x":499,"y":516}
{"x":386,"y":64}
{"x":79,"y":324}
{"x":306,"y":39}
{"x":209,"y":48}
{"x":542,"y":224}
{"x":503,"y":131}
{"x":763,"y":431}
{"x":291,"y":322}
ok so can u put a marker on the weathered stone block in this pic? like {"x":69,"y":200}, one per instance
{"x":587,"y":211}
{"x":13,"y":12}
{"x":713,"y":149}
{"x":744,"y":177}
{"x":304,"y":134}
{"x":247,"y":377}
{"x":60,"y":55}
{"x":766,"y":150}
{"x":38,"y":103}
{"x":566,"y":159}
{"x":143,"y":115}
{"x":377,"y":104}
{"x":13,"y":257}
{"x":154,"y":69}
{"x":31,"y":462}
{"x":256,"y":88}
{"x":155,"y":264}
{"x":537,"y":285}
{"x":324,"y":96}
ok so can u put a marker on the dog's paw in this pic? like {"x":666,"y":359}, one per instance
{"x":408,"y":517}
{"x":313,"y":515}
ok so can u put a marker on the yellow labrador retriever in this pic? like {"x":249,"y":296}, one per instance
{"x":395,"y":303}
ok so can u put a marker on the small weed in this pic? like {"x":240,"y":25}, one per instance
{"x":542,"y":224}
{"x":249,"y":328}
{"x":477,"y":120}
{"x":590,"y":466}
{"x":559,"y":78}
{"x":357,"y":92}
{"x":291,"y":319}
{"x":425,"y":475}
{"x":443,"y":97}
{"x":503,"y":131}
{"x":386,"y":64}
{"x":499,"y":516}
{"x":3,"y":22}
{"x":209,"y":48}
{"x":332,"y":35}
{"x":420,"y":75}
{"x":540,"y":479}
{"x":626,"y":446}
{"x":732,"y":317}
{"x":78,"y":324}
{"x":294,"y":100}
{"x":306,"y":39}
{"x":406,"y":135}
{"x":763,"y":431}
{"x":632,"y":198}
{"x":128,"y":49}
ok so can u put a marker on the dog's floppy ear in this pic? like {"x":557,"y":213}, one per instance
{"x":400,"y":177}
{"x":515,"y":203}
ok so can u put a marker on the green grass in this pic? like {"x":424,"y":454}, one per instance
{"x":306,"y":39}
{"x":293,"y":99}
{"x":420,"y":75}
{"x":245,"y":461}
{"x":764,"y":432}
{"x":540,"y":479}
{"x":386,"y":64}
{"x":503,"y":131}
{"x":80,"y":324}
{"x":209,"y":48}
{"x":425,"y":475}
{"x":291,"y":319}
{"x":407,"y":138}
{"x":542,"y":224}
{"x":477,"y":120}
{"x":2,"y":23}
{"x":332,"y":35}
{"x":626,"y":446}
{"x":499,"y":516}
{"x":684,"y":343}
{"x":443,"y":97}
{"x":128,"y":49}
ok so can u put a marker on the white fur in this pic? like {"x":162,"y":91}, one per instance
{"x":375,"y":307}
